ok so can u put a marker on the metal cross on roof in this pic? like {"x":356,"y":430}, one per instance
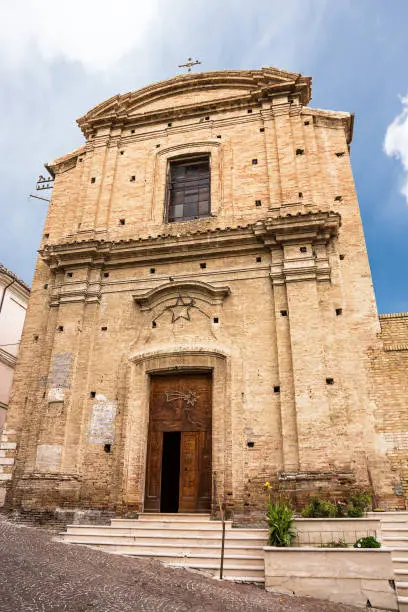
{"x":189,"y":63}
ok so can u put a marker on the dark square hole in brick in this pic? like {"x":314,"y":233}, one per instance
{"x":207,"y":118}
{"x":249,"y":111}
{"x":46,"y":286}
{"x":215,"y":319}
{"x":339,"y":311}
{"x":340,"y":154}
{"x":93,"y":179}
{"x":152,"y":270}
{"x":338,"y":198}
{"x":219,"y":136}
{"x":122,"y":152}
{"x":107,"y":448}
{"x":307,"y":123}
{"x":284,"y":313}
{"x":254,"y":162}
{"x":92,"y":394}
{"x":46,"y":235}
{"x":60,"y":328}
{"x":132,"y":131}
{"x":122,"y":221}
{"x":300,"y":194}
{"x":104,"y":328}
{"x":80,"y":159}
{"x":303,"y":249}
{"x":330,"y":381}
{"x":132,"y":178}
{"x":154,"y":324}
{"x":44,"y":395}
{"x":300,"y":151}
{"x":36,"y":338}
{"x":258,"y":203}
{"x":341,"y":256}
{"x":250,"y":444}
{"x":261,"y":129}
{"x":169,"y":124}
{"x":69,"y":274}
{"x":258,"y":259}
{"x":157,"y":146}
{"x":276,"y":389}
{"x":106,"y":275}
{"x":203,"y":266}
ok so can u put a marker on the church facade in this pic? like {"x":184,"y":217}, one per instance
{"x":202,"y":316}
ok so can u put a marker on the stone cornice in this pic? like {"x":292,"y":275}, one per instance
{"x":131,"y":108}
{"x":278,"y":230}
{"x":314,"y":226}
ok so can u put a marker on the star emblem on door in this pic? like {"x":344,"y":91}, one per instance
{"x":181,"y":309}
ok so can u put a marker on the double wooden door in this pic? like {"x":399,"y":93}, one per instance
{"x":178,"y":473}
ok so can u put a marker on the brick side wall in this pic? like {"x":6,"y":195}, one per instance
{"x":390,"y":367}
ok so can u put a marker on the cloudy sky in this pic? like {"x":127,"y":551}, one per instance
{"x":58,"y":59}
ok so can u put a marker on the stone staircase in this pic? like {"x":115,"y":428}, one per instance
{"x":394,"y":535}
{"x":180,"y":540}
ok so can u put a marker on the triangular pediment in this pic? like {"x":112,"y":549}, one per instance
{"x":184,"y":93}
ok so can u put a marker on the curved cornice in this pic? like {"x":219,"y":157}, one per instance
{"x":150,"y":299}
{"x":258,"y":85}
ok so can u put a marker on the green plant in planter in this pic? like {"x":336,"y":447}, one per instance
{"x":279,"y":516}
{"x":337,"y":544}
{"x":367,"y":542}
{"x":319,"y":508}
{"x":358,"y":504}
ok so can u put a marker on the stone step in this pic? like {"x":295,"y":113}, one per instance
{"x":200,"y":560}
{"x":402,"y":603}
{"x":185,"y":541}
{"x":234,"y":572}
{"x":396,"y":515}
{"x":175,"y":517}
{"x":399,"y":554}
{"x":394,"y":542}
{"x":400,"y":529}
{"x":402,"y":588}
{"x":173,"y":547}
{"x":175,"y":530}
{"x":170,"y":524}
{"x":401,"y":573}
{"x":400,"y":563}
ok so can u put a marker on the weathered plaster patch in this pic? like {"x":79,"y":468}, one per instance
{"x":48,"y":457}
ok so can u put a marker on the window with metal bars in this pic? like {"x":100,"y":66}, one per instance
{"x":188,"y":189}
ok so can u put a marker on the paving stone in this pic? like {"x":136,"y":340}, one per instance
{"x":41,"y":574}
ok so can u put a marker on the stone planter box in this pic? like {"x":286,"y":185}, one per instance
{"x":323,"y":531}
{"x":349,"y":576}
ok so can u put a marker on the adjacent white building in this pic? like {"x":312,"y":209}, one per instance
{"x":14,"y":294}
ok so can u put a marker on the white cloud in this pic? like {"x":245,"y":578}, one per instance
{"x":96,"y":33}
{"x":396,"y":142}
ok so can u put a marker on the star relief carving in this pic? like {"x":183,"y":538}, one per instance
{"x":181,"y":309}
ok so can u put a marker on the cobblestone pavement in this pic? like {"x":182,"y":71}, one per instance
{"x":39,"y":574}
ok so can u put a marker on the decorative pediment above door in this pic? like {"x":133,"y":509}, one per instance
{"x":193,"y":290}
{"x":180,"y":299}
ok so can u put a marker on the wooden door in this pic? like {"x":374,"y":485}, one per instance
{"x":181,"y":403}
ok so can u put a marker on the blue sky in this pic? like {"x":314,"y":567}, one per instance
{"x":60,"y":59}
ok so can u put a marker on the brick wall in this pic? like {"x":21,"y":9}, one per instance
{"x":296,"y":385}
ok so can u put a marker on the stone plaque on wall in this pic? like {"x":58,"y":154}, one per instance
{"x":60,"y":371}
{"x":102,"y":423}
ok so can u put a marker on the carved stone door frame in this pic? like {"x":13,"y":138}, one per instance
{"x":136,"y":417}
